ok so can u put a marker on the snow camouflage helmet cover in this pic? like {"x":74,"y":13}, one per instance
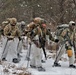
{"x":37,"y":20}
{"x":13,"y":21}
{"x":71,"y":23}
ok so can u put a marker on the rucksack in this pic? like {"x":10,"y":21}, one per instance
{"x":60,"y":28}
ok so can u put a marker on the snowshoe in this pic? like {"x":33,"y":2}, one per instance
{"x":41,"y":69}
{"x":15,"y":60}
{"x":56,"y":64}
{"x":72,"y":66}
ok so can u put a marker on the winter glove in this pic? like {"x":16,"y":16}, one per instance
{"x":31,"y":33}
{"x":19,"y":38}
{"x":56,"y":40}
{"x":9,"y":34}
{"x":66,"y":47}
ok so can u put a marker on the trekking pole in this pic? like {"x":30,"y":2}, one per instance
{"x":58,"y":54}
{"x":29,"y":56}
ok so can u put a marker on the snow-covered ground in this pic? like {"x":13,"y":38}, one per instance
{"x":9,"y":68}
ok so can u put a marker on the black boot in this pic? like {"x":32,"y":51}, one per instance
{"x":4,"y":59}
{"x":19,"y":55}
{"x":43,"y":61}
{"x":41,"y":68}
{"x":57,"y":64}
{"x":15,"y":60}
{"x":72,"y":66}
{"x":32,"y":66}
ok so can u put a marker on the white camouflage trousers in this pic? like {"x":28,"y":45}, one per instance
{"x":62,"y":51}
{"x":36,"y":56}
{"x":10,"y":49}
{"x":19,"y":47}
{"x":3,"y":41}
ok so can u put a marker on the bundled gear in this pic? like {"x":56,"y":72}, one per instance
{"x":37,"y":20}
{"x":4,"y":23}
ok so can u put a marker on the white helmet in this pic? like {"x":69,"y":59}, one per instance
{"x":22,"y":23}
{"x":71,"y":23}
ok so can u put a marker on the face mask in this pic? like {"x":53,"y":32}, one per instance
{"x":44,"y":25}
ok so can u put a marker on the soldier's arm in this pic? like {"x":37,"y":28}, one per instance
{"x":6,"y":30}
{"x":51,"y":37}
{"x":18,"y":33}
{"x":7,"y":33}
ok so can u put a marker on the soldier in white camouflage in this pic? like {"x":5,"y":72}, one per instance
{"x":66,"y":38}
{"x":3,"y":38}
{"x":12,"y":33}
{"x":39,"y":31}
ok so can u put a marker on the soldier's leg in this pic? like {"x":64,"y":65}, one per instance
{"x":5,"y":51}
{"x":72,"y":59}
{"x":42,"y":56}
{"x":4,"y":40}
{"x":19,"y":48}
{"x":15,"y":44}
{"x":25,"y":43}
{"x":27,"y":53}
{"x":38,"y":59}
{"x":59,"y":54}
{"x":33,"y":56}
{"x":13,"y":50}
{"x":3,"y":43}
